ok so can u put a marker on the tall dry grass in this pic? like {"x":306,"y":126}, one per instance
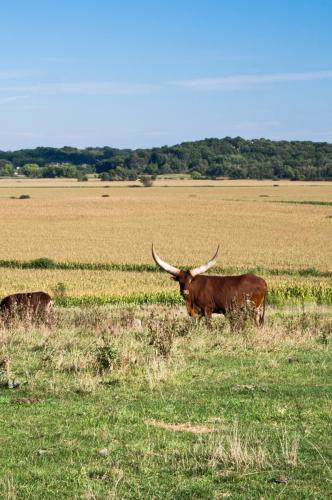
{"x":81,"y":347}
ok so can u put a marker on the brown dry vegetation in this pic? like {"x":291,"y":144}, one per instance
{"x":85,"y":344}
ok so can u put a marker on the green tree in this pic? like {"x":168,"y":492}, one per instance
{"x":31,"y":170}
{"x":6,"y":168}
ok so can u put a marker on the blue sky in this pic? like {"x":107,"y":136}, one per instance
{"x":147,"y":73}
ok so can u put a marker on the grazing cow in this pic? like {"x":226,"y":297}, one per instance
{"x":228,"y":295}
{"x":32,"y":306}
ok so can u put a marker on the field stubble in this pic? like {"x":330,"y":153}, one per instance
{"x":185,"y":221}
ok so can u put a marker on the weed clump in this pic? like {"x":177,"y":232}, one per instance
{"x":162,"y":331}
{"x":238,"y":451}
{"x":106,"y":357}
{"x":59,"y":293}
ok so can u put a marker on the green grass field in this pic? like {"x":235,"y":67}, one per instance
{"x":93,"y":408}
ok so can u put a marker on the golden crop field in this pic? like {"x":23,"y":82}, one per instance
{"x":71,"y":221}
{"x":108,"y":283}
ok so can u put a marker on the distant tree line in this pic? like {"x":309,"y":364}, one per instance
{"x":235,"y":158}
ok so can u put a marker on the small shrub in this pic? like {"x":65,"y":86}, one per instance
{"x":24,"y":197}
{"x":59,"y":293}
{"x":146,"y":180}
{"x":241,"y":318}
{"x":325,"y":335}
{"x":104,"y":176}
{"x":162,"y":331}
{"x":196,"y":175}
{"x":106,"y":357}
{"x":160,"y":336}
{"x":43,"y":263}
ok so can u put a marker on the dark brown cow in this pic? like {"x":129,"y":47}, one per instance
{"x":32,"y":306}
{"x":228,"y":295}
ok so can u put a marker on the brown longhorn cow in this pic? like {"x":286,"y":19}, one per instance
{"x":228,"y":295}
{"x":32,"y":306}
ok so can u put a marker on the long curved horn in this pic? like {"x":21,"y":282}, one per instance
{"x":164,"y":265}
{"x":204,"y":267}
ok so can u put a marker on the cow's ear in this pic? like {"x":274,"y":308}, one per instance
{"x":175,"y":278}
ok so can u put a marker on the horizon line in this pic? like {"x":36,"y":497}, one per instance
{"x":166,"y":145}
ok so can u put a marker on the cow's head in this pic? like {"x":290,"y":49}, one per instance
{"x":183,"y":277}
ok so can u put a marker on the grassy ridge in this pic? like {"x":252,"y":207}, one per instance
{"x":318,"y":294}
{"x":46,"y":263}
{"x":303,"y":202}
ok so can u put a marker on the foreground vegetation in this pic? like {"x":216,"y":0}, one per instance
{"x":98,"y":406}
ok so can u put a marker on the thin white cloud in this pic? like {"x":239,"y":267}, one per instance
{"x":92,"y":88}
{"x":311,"y":133}
{"x":3,"y":100}
{"x":12,"y":74}
{"x":233,"y":82}
{"x":255,"y":124}
{"x":243,"y":82}
{"x":60,"y":60}
{"x":20,"y":134}
{"x":154,"y":133}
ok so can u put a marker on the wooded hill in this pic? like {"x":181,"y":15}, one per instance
{"x":235,"y":158}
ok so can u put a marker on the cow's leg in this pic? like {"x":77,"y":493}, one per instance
{"x":49,"y":313}
{"x":258,"y":315}
{"x":190,"y":309}
{"x":207,"y":315}
{"x":232,"y":322}
{"x":262,"y":313}
{"x":229,"y":317}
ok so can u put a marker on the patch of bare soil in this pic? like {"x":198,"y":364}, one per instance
{"x":26,"y":401}
{"x":194,"y":428}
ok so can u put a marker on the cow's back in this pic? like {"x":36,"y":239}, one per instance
{"x":26,"y":304}
{"x":252,"y":287}
{"x":223,"y":292}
